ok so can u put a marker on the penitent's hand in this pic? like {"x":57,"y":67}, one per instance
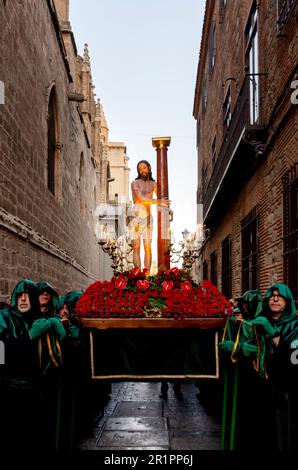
{"x":275,"y":340}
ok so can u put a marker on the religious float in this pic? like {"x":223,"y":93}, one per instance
{"x":152,"y":327}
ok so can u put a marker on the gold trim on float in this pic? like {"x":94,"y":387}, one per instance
{"x":157,"y":376}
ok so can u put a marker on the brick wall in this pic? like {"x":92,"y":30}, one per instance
{"x":278,"y":61}
{"x":41,"y":237}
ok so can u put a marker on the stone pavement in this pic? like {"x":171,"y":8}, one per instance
{"x":135,"y":418}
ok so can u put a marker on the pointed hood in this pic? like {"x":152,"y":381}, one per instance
{"x":254,"y":302}
{"x":287,"y":323}
{"x":70,"y":299}
{"x":46,"y":287}
{"x":25,"y":286}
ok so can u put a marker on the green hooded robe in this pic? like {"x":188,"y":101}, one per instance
{"x":282,"y":370}
{"x":46,"y":287}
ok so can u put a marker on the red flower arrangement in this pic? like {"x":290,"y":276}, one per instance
{"x":169,"y":294}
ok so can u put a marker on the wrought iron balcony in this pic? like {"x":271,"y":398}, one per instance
{"x":242,"y":142}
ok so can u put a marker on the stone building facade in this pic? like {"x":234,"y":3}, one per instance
{"x":53,"y":165}
{"x":247,"y":140}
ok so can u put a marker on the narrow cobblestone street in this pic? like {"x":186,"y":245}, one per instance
{"x":136,"y":418}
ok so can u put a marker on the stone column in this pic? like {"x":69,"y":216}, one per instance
{"x":163,"y":254}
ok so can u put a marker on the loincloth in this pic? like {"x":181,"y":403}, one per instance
{"x":142,"y":226}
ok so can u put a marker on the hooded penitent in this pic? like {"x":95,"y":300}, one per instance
{"x":254,"y":302}
{"x":21,"y":359}
{"x":70,"y":300}
{"x":46,"y":287}
{"x":287,"y":324}
{"x":282,"y":368}
{"x":241,"y":336}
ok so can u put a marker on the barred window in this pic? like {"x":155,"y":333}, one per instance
{"x":213,"y":268}
{"x":213,"y":152}
{"x":284,"y":8}
{"x":290,"y":228}
{"x":212,"y":48}
{"x":204,"y":96}
{"x":204,"y":178}
{"x":249,"y":242}
{"x":205,"y":270}
{"x":227,"y":107}
{"x":252,"y":63}
{"x":198,"y":132}
{"x":226,"y":268}
{"x":222,"y":8}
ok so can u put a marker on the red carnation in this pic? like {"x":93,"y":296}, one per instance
{"x":108,"y":286}
{"x":135,"y":272}
{"x":174,"y":271}
{"x":143,"y":285}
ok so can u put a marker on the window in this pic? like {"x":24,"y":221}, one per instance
{"x":205,"y":270}
{"x":223,"y":4}
{"x":290,"y":228}
{"x":52,"y":139}
{"x":81,"y":184}
{"x":222,"y":8}
{"x":204,"y":178}
{"x":284,"y":8}
{"x":198,"y":132}
{"x":252,"y":63}
{"x":213,"y":151}
{"x":226,"y":268}
{"x":204,"y":96}
{"x":249,"y":242}
{"x":53,"y":164}
{"x":213,"y":268}
{"x":212,"y":48}
{"x":227,"y":109}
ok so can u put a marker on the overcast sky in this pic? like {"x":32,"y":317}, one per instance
{"x":144,"y":57}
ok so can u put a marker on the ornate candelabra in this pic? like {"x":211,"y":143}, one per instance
{"x":118,"y":249}
{"x":190,"y":247}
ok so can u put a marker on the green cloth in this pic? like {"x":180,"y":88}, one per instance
{"x":241,"y":341}
{"x":25,"y":286}
{"x":57,"y":328}
{"x":157,"y":353}
{"x":21,"y":355}
{"x":287,"y":323}
{"x":70,"y":299}
{"x":39,"y":327}
{"x":282,"y":372}
{"x":253,"y":300}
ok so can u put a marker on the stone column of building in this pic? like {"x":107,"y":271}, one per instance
{"x":161,"y":144}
